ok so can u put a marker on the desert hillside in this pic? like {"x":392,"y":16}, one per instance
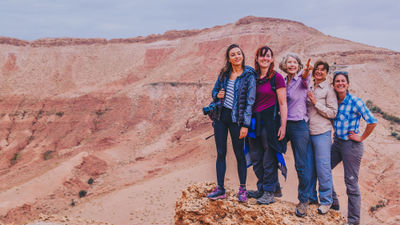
{"x":126,"y":115}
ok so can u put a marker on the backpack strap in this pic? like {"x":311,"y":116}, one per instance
{"x":273,"y":86}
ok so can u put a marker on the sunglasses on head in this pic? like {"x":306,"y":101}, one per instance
{"x":340,"y":72}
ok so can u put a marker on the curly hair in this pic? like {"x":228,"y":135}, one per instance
{"x":283,"y":63}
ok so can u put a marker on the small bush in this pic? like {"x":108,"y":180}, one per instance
{"x":82,"y":193}
{"x":48,"y":155}
{"x":99,"y":112}
{"x":386,"y":116}
{"x":381,"y":204}
{"x":60,"y":114}
{"x":90,"y":181}
{"x":394,"y":134}
{"x":14,"y":159}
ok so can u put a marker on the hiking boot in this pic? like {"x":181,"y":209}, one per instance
{"x":324,"y":209}
{"x":254,"y":194}
{"x":217,"y":193}
{"x":278,"y":193}
{"x":301,"y":209}
{"x":266,"y":198}
{"x":335,"y":205}
{"x":242,"y":195}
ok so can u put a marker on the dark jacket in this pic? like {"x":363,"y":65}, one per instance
{"x":244,"y":95}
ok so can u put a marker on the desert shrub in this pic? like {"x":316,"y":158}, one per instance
{"x":380,"y":204}
{"x":386,"y":116}
{"x":82,"y":193}
{"x":48,"y":155}
{"x":60,"y":114}
{"x":100,"y":112}
{"x":90,"y":181}
{"x":14,"y":159}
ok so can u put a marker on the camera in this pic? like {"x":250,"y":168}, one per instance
{"x":210,"y":108}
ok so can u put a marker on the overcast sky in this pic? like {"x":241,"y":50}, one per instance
{"x":373,"y":22}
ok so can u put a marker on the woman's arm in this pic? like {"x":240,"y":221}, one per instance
{"x":251,"y":98}
{"x":368,"y":130}
{"x":329,"y":110}
{"x":368,"y":117}
{"x":305,"y":76}
{"x":281,"y":92}
{"x":216,"y":91}
{"x":307,"y":69}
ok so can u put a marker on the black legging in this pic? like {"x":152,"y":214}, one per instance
{"x":221,"y":128}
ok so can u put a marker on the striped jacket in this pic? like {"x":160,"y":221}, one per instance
{"x":244,"y":95}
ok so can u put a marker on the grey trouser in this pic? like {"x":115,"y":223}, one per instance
{"x":350,"y":152}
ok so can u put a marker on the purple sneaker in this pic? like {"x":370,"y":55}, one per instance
{"x":242,"y":195}
{"x":217,"y":193}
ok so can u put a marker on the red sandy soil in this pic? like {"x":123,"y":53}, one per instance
{"x":127,"y":113}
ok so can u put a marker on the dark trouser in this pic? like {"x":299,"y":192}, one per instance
{"x":350,"y":152}
{"x":299,"y":136}
{"x":221,"y":128}
{"x":265,"y":164}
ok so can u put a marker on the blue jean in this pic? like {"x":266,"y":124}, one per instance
{"x":299,"y":136}
{"x":321,"y":147}
{"x":221,"y":128}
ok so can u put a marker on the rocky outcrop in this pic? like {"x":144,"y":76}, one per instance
{"x":194,"y":208}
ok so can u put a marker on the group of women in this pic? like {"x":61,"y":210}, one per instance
{"x":300,"y":108}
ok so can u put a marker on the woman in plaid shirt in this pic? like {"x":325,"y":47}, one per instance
{"x":348,"y":146}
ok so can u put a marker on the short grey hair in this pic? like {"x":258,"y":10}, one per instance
{"x":283,"y":63}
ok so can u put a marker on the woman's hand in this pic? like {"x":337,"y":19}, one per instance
{"x":307,"y":69}
{"x":311,"y":96}
{"x":221,"y":93}
{"x":355,"y":137}
{"x":243,"y":132}
{"x":368,"y":130}
{"x":281,"y":133}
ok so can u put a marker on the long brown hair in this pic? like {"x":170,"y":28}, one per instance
{"x":262,"y":51}
{"x":225,"y":71}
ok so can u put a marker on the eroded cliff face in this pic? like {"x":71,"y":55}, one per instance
{"x":133,"y":106}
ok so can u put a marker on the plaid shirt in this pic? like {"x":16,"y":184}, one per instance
{"x":348,"y":117}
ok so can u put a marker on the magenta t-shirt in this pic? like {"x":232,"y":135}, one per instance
{"x":265,"y":96}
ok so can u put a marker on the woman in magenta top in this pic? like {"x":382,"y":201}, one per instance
{"x":270,"y":128}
